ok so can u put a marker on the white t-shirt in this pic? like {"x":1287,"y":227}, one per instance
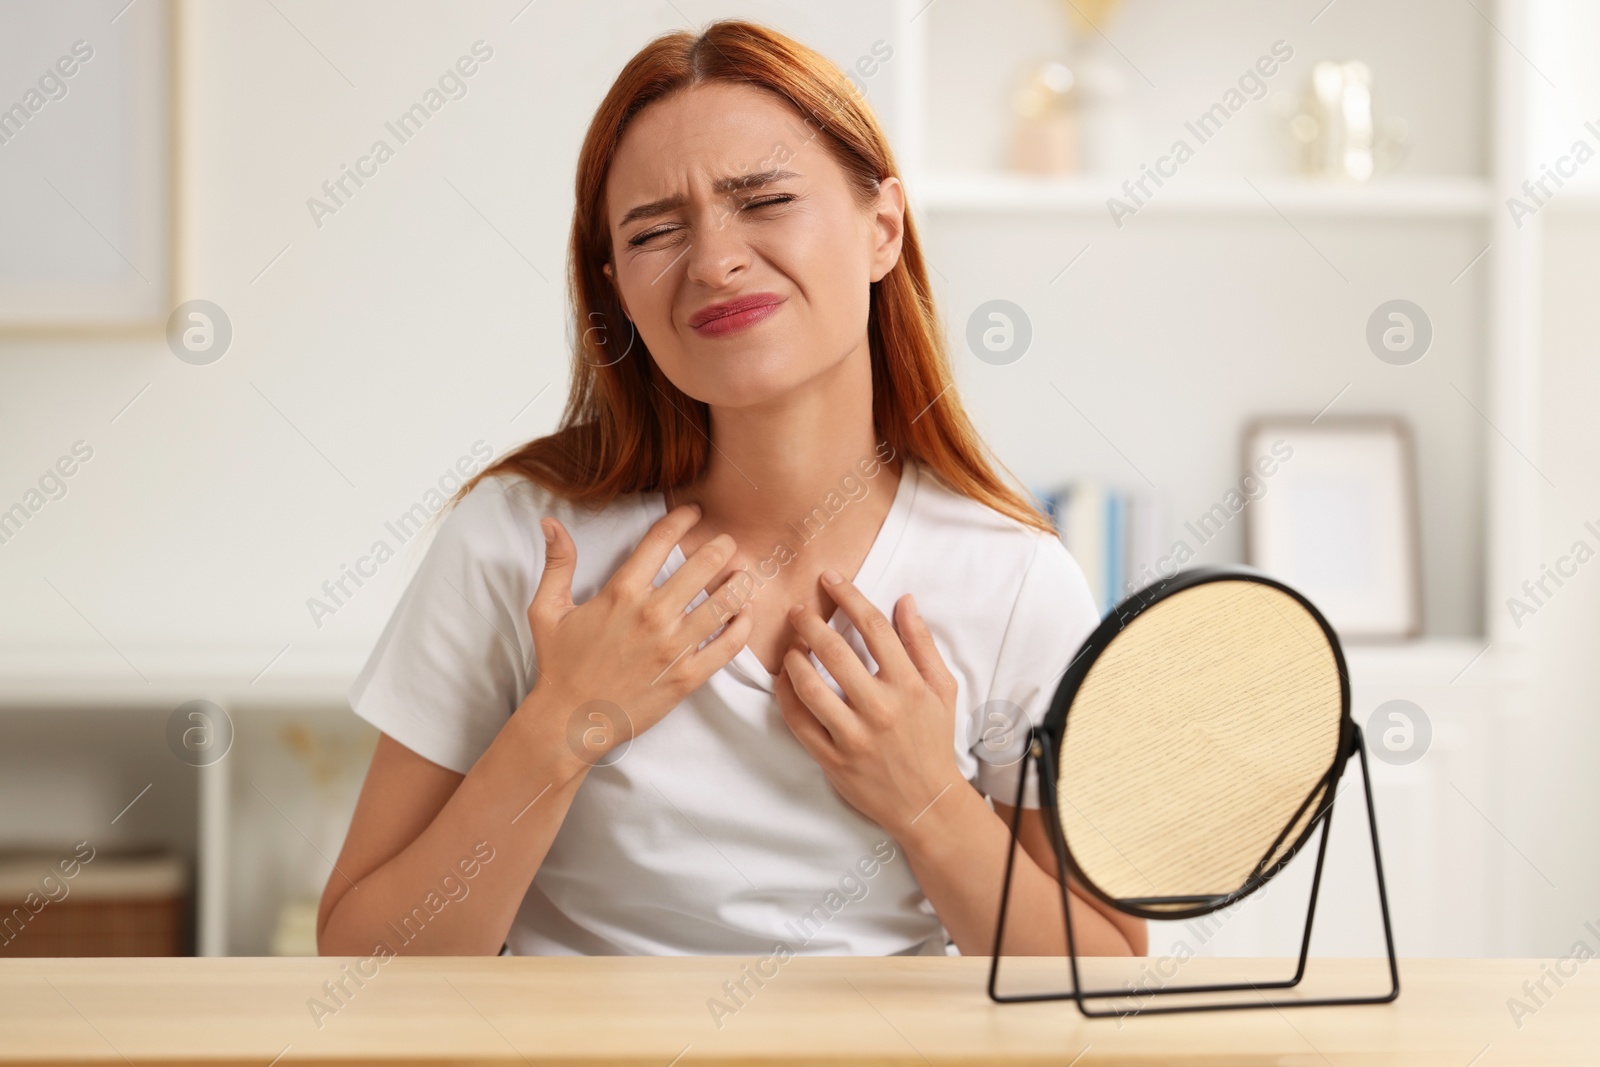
{"x":715,"y":832}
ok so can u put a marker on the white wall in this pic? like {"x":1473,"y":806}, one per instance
{"x":406,"y":328}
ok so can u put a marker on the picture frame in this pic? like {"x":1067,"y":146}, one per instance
{"x":1338,"y":519}
{"x":88,"y":135}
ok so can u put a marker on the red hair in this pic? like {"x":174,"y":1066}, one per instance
{"x":626,"y":428}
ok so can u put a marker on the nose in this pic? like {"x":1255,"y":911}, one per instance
{"x":717,"y":252}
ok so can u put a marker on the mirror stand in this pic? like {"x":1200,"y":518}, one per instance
{"x":1040,"y":750}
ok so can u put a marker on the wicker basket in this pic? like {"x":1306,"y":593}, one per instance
{"x":115,"y":904}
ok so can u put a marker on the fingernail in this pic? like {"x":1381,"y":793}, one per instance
{"x":549,"y":532}
{"x":832,"y":577}
{"x":796,"y":609}
{"x":913,"y":601}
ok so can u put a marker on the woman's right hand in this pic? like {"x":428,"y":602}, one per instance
{"x":617,"y":663}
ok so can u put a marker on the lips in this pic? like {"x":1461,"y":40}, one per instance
{"x":736,"y":314}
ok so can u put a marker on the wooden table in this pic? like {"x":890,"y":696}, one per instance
{"x":836,"y":1010}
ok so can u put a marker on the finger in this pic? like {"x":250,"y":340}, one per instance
{"x":837,"y":718}
{"x":719,"y":608}
{"x":694,"y":577}
{"x":876,"y":630}
{"x":553,"y":598}
{"x":835,"y":653}
{"x":920,"y":647}
{"x":726,"y":645}
{"x":805,"y":726}
{"x":639,"y":570}
{"x":725,"y":601}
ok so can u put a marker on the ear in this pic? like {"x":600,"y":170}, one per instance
{"x":888,"y":226}
{"x":612,"y":278}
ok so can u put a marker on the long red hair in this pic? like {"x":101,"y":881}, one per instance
{"x":626,"y":428}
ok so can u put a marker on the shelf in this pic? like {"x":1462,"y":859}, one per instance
{"x":317,"y":679}
{"x":1576,"y":197}
{"x":1233,"y":195}
{"x":236,"y":676}
{"x":1435,"y":661}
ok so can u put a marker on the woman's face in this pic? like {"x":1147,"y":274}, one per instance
{"x":721,"y":193}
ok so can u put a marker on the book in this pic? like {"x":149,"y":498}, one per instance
{"x":1115,"y":533}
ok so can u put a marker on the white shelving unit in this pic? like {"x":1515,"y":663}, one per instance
{"x":260,"y":688}
{"x":1446,"y":878}
{"x":1510,"y":316}
{"x":1421,"y":198}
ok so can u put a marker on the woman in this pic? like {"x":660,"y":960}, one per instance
{"x":669,"y":724}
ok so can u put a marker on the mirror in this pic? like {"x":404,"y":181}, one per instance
{"x":1192,"y":747}
{"x":1194,"y":741}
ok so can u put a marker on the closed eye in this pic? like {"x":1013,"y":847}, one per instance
{"x":775,"y":200}
{"x":640,"y":238}
{"x":770,"y":201}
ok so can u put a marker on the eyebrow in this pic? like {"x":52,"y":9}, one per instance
{"x":737,"y":184}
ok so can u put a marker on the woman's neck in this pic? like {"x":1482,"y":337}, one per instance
{"x":776,"y":464}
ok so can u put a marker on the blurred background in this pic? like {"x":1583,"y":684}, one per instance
{"x":242,"y":347}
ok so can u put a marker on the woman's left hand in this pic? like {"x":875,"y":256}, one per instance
{"x":889,"y":748}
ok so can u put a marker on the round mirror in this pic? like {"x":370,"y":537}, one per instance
{"x":1193,"y":743}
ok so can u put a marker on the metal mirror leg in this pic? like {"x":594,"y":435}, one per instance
{"x":1034,"y":751}
{"x":1038,"y":751}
